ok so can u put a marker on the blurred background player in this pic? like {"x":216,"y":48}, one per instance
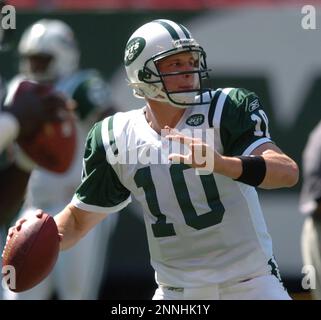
{"x":310,"y":205}
{"x":48,"y":53}
{"x":21,"y":120}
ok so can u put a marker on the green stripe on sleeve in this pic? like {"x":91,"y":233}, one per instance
{"x":212,"y":108}
{"x":100,"y":184}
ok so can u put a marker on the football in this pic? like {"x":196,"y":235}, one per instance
{"x":53,"y":145}
{"x":31,"y":253}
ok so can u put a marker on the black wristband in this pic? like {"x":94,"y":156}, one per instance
{"x":254,"y":170}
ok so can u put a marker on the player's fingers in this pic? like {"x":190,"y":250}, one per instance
{"x":178,"y":158}
{"x":19,"y":223}
{"x":199,"y":148}
{"x":180,"y":138}
{"x":60,"y":235}
{"x":39,"y":213}
{"x":10,"y":233}
{"x":199,"y":154}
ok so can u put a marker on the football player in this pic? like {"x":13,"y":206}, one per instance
{"x":206,"y":232}
{"x":49,"y":54}
{"x":21,"y":121}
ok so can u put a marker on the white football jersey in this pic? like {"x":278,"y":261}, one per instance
{"x":202,"y":228}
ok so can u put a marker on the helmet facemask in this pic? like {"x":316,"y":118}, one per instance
{"x":38,"y":67}
{"x":153,"y":82}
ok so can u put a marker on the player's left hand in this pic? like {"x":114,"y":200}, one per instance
{"x":200,"y":155}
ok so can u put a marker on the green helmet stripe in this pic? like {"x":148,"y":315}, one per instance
{"x":170,"y":29}
{"x":187,"y":35}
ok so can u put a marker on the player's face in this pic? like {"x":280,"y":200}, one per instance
{"x":39,"y":63}
{"x":181,"y":62}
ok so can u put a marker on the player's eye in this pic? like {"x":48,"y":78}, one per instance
{"x":175,"y":64}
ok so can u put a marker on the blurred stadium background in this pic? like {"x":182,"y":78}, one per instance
{"x":259,"y":45}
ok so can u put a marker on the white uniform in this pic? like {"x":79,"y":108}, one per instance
{"x":203,"y":230}
{"x":79,"y":271}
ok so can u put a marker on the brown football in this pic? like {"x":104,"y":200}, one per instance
{"x":31,"y":253}
{"x":53,"y":145}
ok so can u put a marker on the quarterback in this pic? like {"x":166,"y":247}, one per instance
{"x":206,"y":232}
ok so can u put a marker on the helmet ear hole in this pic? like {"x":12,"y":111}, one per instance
{"x":141,"y":75}
{"x":144,"y":75}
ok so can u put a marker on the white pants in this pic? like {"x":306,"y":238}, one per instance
{"x":311,"y":250}
{"x":266,"y":287}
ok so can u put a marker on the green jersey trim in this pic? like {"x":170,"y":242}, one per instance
{"x":254,"y":145}
{"x":219,"y":106}
{"x":92,"y":208}
{"x":100,"y":189}
{"x":111,"y":136}
{"x":213,"y":107}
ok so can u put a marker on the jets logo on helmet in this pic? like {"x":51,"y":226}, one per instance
{"x":157,"y":40}
{"x":133,"y":49}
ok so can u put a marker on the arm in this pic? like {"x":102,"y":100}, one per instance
{"x":74,"y":223}
{"x":281,"y":170}
{"x":244,"y":131}
{"x":99,"y":193}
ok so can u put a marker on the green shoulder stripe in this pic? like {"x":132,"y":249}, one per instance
{"x":100,"y":184}
{"x":111,"y":136}
{"x":212,"y":107}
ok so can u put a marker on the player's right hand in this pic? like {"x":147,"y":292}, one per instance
{"x":21,"y":221}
